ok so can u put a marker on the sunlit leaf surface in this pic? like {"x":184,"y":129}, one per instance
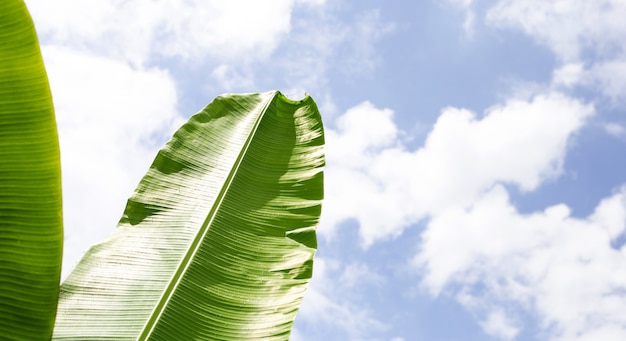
{"x":217,"y":241}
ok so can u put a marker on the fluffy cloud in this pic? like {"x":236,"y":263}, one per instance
{"x":455,"y":182}
{"x":110,"y":118}
{"x":139,"y":30}
{"x":563,"y":269}
{"x":374,"y":178}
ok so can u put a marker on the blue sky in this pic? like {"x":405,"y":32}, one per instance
{"x":475,"y":188}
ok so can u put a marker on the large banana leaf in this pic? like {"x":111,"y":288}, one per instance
{"x":31,"y":232}
{"x":217,"y":241}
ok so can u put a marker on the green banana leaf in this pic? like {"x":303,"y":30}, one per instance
{"x":31,"y":230}
{"x":217,"y":241}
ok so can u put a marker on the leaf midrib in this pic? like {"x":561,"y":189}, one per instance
{"x":195,"y":244}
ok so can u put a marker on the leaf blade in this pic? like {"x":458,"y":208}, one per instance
{"x":248,"y":149}
{"x":31,"y":230}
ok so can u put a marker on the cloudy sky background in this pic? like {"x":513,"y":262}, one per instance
{"x":475,"y":184}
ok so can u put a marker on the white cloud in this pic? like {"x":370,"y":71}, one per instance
{"x":138,"y":30}
{"x":373,"y":178}
{"x":456,"y":180}
{"x":562,"y":269}
{"x":111,"y":118}
{"x":499,"y":325}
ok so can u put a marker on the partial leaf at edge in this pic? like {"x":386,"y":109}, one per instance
{"x":218,"y":240}
{"x":31,"y":230}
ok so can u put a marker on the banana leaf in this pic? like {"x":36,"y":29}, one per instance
{"x":217,"y":241}
{"x":31,"y":230}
